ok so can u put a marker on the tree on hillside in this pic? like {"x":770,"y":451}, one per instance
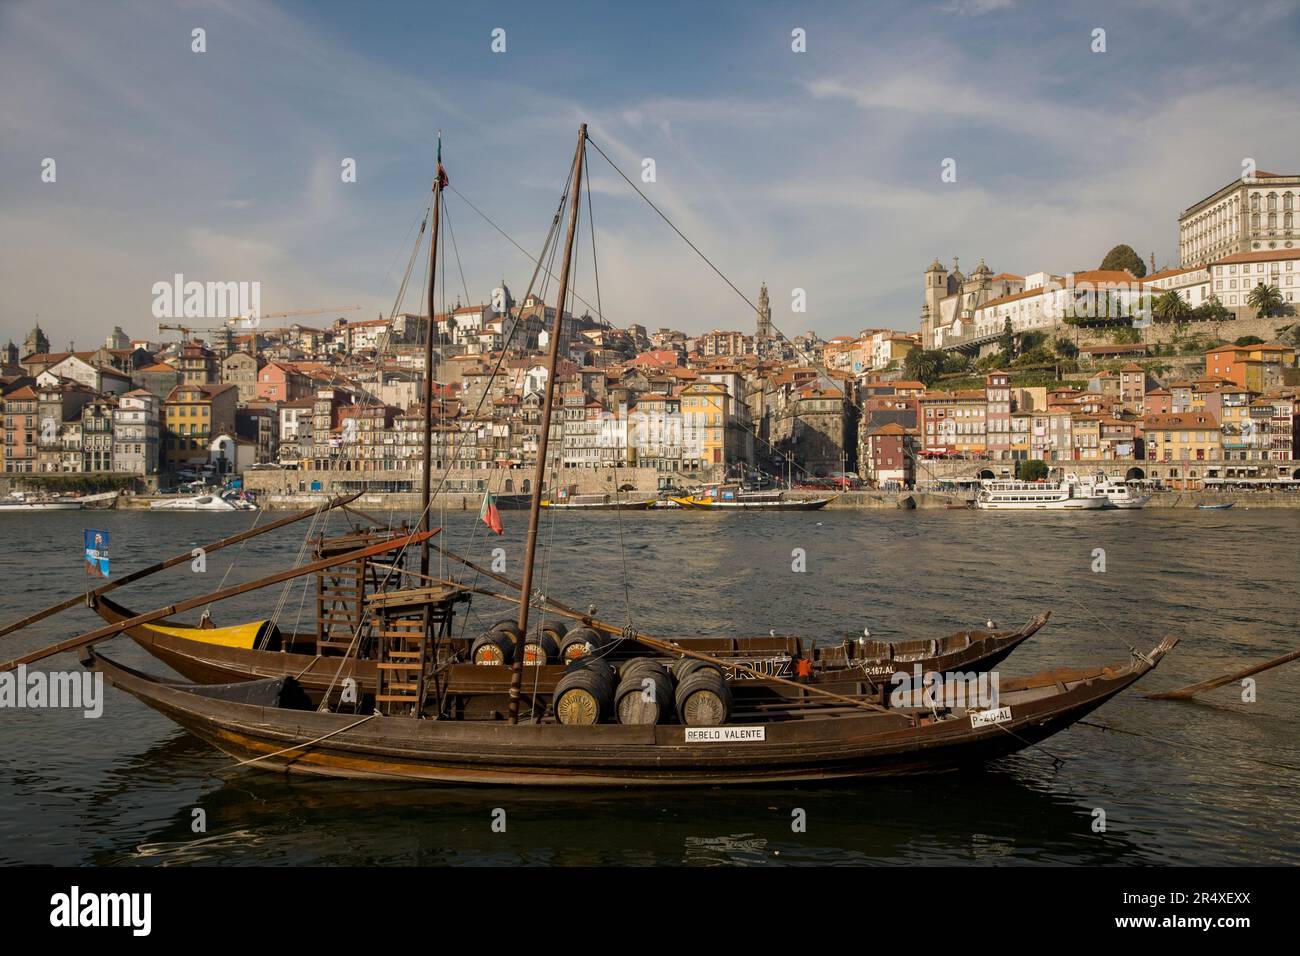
{"x":1030,"y":340}
{"x":1035,"y":469}
{"x":954,"y":362}
{"x":1065,"y":348}
{"x":1266,"y":300}
{"x":1211,"y":310}
{"x":1123,"y":257}
{"x":1248,"y":340}
{"x":1171,"y":307}
{"x":1007,"y":341}
{"x":924,"y":365}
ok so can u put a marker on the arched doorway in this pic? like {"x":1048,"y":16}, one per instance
{"x":510,"y":485}
{"x":527,"y":487}
{"x":1134,"y":474}
{"x":985,"y":473}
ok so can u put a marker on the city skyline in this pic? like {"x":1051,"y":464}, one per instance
{"x":817,"y":170}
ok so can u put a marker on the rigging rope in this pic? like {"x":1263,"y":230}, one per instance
{"x":600,"y":315}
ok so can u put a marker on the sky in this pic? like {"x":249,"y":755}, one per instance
{"x":817,"y":170}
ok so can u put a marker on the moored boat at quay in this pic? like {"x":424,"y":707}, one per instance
{"x":732,"y":497}
{"x":600,"y":502}
{"x":23,"y":502}
{"x":1118,"y":494}
{"x":226,"y":501}
{"x":1066,"y":495}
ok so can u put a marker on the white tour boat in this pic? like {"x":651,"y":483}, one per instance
{"x":1067,"y":495}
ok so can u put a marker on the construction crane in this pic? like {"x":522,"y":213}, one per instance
{"x":285,"y":315}
{"x":186,"y":330}
{"x":246,"y":323}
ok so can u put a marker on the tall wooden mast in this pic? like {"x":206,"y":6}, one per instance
{"x":543,"y":439}
{"x":426,"y":477}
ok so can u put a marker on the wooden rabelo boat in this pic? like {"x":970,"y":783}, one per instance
{"x":257,"y":650}
{"x":383,"y":689}
{"x":272,"y":725}
{"x":732,"y":497}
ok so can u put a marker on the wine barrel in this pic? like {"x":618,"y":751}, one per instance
{"x":632,"y":664}
{"x":575,"y":643}
{"x":684,"y":667}
{"x":645,"y":696}
{"x":703,"y":698}
{"x":506,"y":625}
{"x":540,"y":648}
{"x":493,"y":648}
{"x":557,"y":630}
{"x":585,"y":694}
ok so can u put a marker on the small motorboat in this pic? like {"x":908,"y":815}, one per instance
{"x":216,"y":501}
{"x":1222,"y":507}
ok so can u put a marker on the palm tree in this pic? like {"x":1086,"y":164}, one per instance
{"x":924,"y":365}
{"x":1266,"y":300}
{"x":1171,"y":307}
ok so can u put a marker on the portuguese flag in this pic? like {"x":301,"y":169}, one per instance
{"x":490,"y":514}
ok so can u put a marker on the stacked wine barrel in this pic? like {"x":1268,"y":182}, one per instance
{"x":496,"y":647}
{"x":581,"y":642}
{"x":642,"y":690}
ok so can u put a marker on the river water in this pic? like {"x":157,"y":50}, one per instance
{"x":1210,"y":781}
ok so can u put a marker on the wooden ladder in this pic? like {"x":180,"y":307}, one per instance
{"x":407,"y":626}
{"x":401,"y":663}
{"x":339,"y":591}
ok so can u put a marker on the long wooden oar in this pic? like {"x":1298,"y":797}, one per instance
{"x":191,"y":603}
{"x":172,"y":562}
{"x":1191,"y":690}
{"x":645,"y":639}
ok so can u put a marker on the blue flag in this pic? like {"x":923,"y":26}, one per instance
{"x":96,"y":546}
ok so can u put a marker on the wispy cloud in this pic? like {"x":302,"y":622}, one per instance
{"x":817,"y":171}
{"x":975,"y":8}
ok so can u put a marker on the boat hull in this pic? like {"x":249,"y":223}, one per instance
{"x":600,"y":506}
{"x":853,"y":746}
{"x":1064,"y":504}
{"x":1128,"y":504}
{"x":705,"y":504}
{"x":41,"y":506}
{"x":215,"y":505}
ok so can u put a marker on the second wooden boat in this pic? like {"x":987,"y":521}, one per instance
{"x":258,"y":649}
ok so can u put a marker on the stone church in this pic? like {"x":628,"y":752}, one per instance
{"x":952,"y":298}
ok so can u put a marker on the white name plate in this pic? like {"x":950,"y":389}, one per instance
{"x":984,"y":717}
{"x":725,"y":735}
